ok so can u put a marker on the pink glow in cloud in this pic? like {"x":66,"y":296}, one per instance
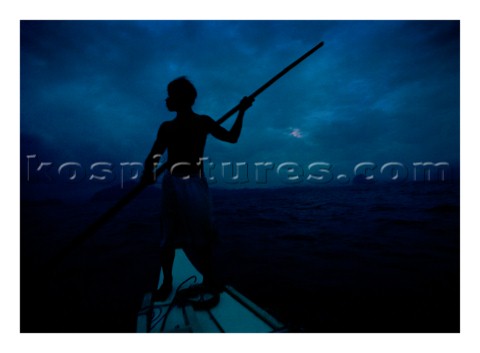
{"x":296,"y":133}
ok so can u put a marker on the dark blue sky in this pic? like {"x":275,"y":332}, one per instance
{"x":378,"y":91}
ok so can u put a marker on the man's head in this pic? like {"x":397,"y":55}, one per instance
{"x":181,"y":94}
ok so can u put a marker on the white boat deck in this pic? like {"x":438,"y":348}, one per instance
{"x":233,"y":314}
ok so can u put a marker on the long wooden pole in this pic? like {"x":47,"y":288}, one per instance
{"x":271,"y":81}
{"x":90,"y":230}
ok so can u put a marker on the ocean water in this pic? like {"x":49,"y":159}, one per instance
{"x":351,"y":258}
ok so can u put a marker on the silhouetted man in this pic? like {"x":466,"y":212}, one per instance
{"x":186,"y":211}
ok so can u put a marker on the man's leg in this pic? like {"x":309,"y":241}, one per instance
{"x":167,"y":256}
{"x":202,"y":258}
{"x":206,"y":264}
